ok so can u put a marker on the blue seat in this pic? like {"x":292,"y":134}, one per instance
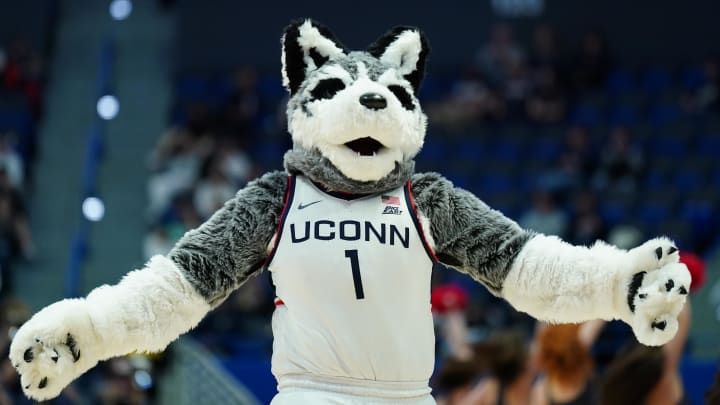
{"x":663,"y":113}
{"x":653,"y":212}
{"x":708,"y":145}
{"x":614,"y":212}
{"x":687,"y":180}
{"x":692,"y":77}
{"x":666,"y":146}
{"x":623,"y":114}
{"x":585,"y":114}
{"x":193,"y":88}
{"x":619,"y":81}
{"x":656,"y":80}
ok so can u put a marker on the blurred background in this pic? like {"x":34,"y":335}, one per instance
{"x":125,"y":123}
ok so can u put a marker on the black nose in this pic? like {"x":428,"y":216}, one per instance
{"x":373,"y":101}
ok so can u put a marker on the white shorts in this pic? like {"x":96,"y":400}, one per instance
{"x":305,"y":389}
{"x":304,"y":396}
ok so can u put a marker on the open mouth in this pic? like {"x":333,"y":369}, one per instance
{"x":365,"y":146}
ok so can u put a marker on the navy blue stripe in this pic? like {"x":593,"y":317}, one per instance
{"x":281,"y":226}
{"x":416,"y":221}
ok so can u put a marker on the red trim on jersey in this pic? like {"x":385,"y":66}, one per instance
{"x":281,"y":222}
{"x":411,"y":198}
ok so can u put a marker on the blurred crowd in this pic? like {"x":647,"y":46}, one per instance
{"x":21,"y":98}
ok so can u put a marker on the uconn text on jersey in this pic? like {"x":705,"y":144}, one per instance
{"x":349,"y":230}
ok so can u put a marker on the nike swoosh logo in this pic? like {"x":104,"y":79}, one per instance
{"x":301,"y":206}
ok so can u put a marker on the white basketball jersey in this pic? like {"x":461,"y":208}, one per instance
{"x":352,"y":280}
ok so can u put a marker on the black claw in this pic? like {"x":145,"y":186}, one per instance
{"x":682,"y":290}
{"x":659,"y":325}
{"x":55,"y":357}
{"x":71,"y":344}
{"x":672,"y":250}
{"x":669,"y":285}
{"x":642,"y":296}
{"x":658,"y":253}
{"x":43,"y":383}
{"x":633,"y":289}
{"x":28,"y":355}
{"x":27,"y":387}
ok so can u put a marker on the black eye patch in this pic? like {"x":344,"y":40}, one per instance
{"x":327,"y":88}
{"x":403,"y":96}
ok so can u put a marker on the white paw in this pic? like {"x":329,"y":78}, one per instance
{"x":654,"y":254}
{"x":655,"y":298}
{"x":53,"y":348}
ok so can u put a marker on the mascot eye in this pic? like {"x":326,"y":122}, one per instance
{"x":402,"y":95}
{"x":327,"y":88}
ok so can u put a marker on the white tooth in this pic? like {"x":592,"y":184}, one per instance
{"x":374,"y":154}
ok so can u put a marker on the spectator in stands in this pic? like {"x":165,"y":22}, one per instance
{"x":22,"y":73}
{"x":546,"y":103}
{"x":574,"y":165}
{"x":592,"y":64}
{"x":176,"y":161}
{"x":242,"y":110}
{"x":471,"y":101}
{"x":544,"y":216}
{"x":648,"y":375}
{"x":517,"y":88}
{"x":545,"y":50}
{"x":706,"y":96}
{"x":712,"y":395}
{"x":454,"y":382}
{"x":15,"y":236}
{"x":157,"y":242}
{"x":213,"y":189}
{"x":11,"y":161}
{"x":564,"y":356}
{"x":621,"y":163}
{"x":509,"y":371}
{"x":586,"y":224}
{"x":235,"y":163}
{"x":499,"y":371}
{"x":500,"y":55}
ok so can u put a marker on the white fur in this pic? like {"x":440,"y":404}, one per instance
{"x":146,"y":311}
{"x":404,"y":52}
{"x":336,"y":121}
{"x":309,"y":38}
{"x":558,"y":282}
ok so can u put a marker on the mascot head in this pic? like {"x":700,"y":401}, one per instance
{"x":359,"y":109}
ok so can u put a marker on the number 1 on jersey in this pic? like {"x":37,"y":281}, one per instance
{"x":355,"y":265}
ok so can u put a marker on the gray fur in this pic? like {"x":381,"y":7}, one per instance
{"x":232,"y":245}
{"x":318,"y":169}
{"x":469,"y":236}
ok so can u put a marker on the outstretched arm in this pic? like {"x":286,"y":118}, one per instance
{"x":151,"y":307}
{"x":549,"y":278}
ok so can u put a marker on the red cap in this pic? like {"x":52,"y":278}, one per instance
{"x":448,"y":297}
{"x":696,"y":265}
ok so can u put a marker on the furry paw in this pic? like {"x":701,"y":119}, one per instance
{"x":53,"y":348}
{"x":655,"y":298}
{"x":654,"y":254}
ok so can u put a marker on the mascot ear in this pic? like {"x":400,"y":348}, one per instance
{"x":405,"y":48}
{"x":307,"y":45}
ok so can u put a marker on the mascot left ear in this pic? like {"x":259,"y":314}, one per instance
{"x":307,"y":45}
{"x":406,"y":49}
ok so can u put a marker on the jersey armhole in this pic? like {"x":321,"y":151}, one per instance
{"x":410,"y":200}
{"x":289,"y":194}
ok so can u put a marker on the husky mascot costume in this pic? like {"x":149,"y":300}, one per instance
{"x":349,"y":233}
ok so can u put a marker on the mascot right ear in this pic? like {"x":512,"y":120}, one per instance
{"x":307,"y":45}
